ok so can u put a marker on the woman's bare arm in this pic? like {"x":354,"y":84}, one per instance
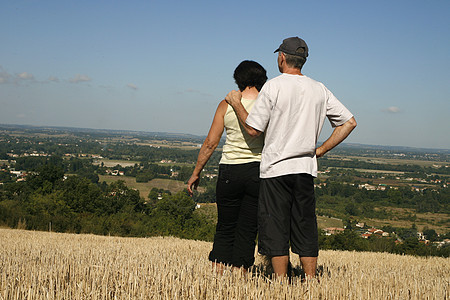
{"x":209,"y":145}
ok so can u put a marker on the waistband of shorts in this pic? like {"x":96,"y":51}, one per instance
{"x":253,"y":164}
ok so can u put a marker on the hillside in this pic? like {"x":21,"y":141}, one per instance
{"x":38,"y":265}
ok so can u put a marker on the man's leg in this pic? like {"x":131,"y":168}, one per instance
{"x":309,"y":265}
{"x":280,"y":265}
{"x":274,"y":222}
{"x":304,"y":235}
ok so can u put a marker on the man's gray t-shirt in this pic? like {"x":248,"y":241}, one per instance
{"x":291,"y":110}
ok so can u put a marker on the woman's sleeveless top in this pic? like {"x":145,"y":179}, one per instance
{"x":240,"y":147}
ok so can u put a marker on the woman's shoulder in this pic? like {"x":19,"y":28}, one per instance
{"x":221,"y":109}
{"x":223,"y":105}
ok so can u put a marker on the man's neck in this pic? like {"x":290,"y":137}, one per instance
{"x":292,"y":71}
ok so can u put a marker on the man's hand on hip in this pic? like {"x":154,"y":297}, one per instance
{"x":320,"y":152}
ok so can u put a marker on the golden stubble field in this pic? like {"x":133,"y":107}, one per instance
{"x":43,"y":265}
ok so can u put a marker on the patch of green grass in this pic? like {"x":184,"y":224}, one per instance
{"x":325,"y":222}
{"x":144,"y":188}
{"x":112,"y":163}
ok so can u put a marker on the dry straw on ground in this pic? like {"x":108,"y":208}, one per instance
{"x":40,"y":265}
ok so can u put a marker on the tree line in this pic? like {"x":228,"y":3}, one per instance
{"x":325,"y":163}
{"x":49,"y":201}
{"x":350,"y":240}
{"x":347,"y":199}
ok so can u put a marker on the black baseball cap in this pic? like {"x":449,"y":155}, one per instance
{"x":294,"y":46}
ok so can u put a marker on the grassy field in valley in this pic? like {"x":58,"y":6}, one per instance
{"x":144,"y":188}
{"x":112,"y":163}
{"x":437,"y":221}
{"x":392,"y":161}
{"x":44,"y":265}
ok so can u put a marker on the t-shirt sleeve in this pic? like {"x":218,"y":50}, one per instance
{"x":337,"y":113}
{"x":259,"y":116}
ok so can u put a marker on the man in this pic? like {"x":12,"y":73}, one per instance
{"x":291,"y":110}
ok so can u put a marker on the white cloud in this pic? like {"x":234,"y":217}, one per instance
{"x":80,"y":78}
{"x":392,"y":110}
{"x":25,"y":76}
{"x":132,"y":86}
{"x":5,"y":77}
{"x":21,"y":116}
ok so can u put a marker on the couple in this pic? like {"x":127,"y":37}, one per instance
{"x":274,"y":198}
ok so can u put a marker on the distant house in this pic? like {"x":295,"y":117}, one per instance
{"x":417,"y":189}
{"x":367,"y":187}
{"x":380,"y":187}
{"x":333,"y":230}
{"x":17,"y":173}
{"x":421,"y":236}
{"x":360,"y":225}
{"x":378,"y":231}
{"x":442,"y":243}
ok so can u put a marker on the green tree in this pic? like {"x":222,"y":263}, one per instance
{"x":351,"y":209}
{"x":430,"y":234}
{"x":179,"y":206}
{"x":119,"y":196}
{"x":45,"y":178}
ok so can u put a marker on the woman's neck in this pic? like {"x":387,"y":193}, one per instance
{"x":250,"y":93}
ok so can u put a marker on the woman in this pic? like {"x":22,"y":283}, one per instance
{"x":238,"y":183}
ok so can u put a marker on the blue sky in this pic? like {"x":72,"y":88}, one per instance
{"x":165,"y":65}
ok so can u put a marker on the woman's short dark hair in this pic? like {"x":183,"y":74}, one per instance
{"x":249,"y":73}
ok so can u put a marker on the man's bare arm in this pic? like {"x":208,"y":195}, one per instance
{"x":339,"y":134}
{"x":234,"y":99}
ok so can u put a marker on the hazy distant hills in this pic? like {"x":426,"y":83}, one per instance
{"x":47,"y":129}
{"x":189,"y":137}
{"x":396,"y":148}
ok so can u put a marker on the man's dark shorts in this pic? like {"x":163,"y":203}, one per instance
{"x":286,"y":216}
